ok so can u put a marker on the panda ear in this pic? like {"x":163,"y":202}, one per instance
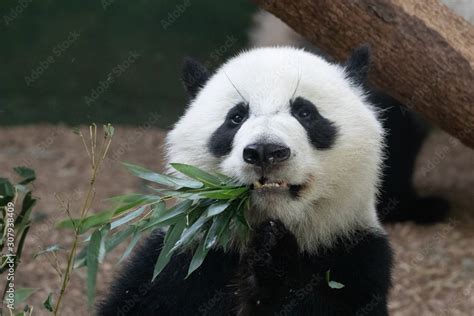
{"x":195,"y":76}
{"x":357,"y":66}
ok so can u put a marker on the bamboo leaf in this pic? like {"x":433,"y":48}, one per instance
{"x":95,"y":220}
{"x":190,"y":232}
{"x":198,"y":174}
{"x":7,"y":191}
{"x":335,"y":285}
{"x":26,"y":208}
{"x":48,"y":303}
{"x":117,"y":238}
{"x":165,"y":180}
{"x":93,"y":252}
{"x":23,"y":294}
{"x":27,"y":174}
{"x":136,"y":237}
{"x":110,"y":244}
{"x":198,"y":257}
{"x":173,"y":213}
{"x":226,"y":194}
{"x":127,"y":218}
{"x":217,"y":208}
{"x":172,"y":236}
{"x":49,"y":249}
{"x":219,"y":226}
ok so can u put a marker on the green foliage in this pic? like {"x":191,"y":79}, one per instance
{"x":16,"y":217}
{"x":208,"y":207}
{"x":48,"y":303}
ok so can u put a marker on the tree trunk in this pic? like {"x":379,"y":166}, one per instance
{"x":423,"y":53}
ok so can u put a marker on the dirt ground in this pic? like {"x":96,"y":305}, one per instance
{"x":434,"y":272}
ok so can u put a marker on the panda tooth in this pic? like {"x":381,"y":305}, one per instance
{"x":257,"y":184}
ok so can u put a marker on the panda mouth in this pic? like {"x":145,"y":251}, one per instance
{"x":264,"y":185}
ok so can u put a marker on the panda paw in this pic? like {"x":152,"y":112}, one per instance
{"x":273,"y":250}
{"x":270,"y":268}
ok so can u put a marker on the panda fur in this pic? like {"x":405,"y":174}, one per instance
{"x":323,"y":224}
{"x":405,"y":130}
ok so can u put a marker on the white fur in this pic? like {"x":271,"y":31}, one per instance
{"x":341,"y":182}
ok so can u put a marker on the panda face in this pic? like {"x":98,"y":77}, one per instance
{"x":295,"y":129}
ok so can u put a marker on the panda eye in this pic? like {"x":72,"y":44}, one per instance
{"x":304,"y":114}
{"x":237,"y":119}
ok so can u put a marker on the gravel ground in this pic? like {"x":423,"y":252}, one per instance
{"x":434,"y":272}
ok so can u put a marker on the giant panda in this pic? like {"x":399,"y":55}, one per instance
{"x":303,"y":134}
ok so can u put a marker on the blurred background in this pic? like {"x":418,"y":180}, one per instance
{"x":55,"y":55}
{"x":71,"y":63}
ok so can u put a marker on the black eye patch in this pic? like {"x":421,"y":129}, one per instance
{"x":321,"y":131}
{"x":220,"y":143}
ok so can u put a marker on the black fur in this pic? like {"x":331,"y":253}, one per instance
{"x":405,"y":134}
{"x":222,"y":139}
{"x":321,"y":131}
{"x":272,"y":278}
{"x":195,"y":76}
{"x":357,"y":66}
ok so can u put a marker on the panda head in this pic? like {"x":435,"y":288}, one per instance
{"x":295,"y":128}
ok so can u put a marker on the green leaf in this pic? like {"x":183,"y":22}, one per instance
{"x":133,"y":198}
{"x":27,"y":174}
{"x":26,"y":208}
{"x":172,"y":236}
{"x":224,"y":238}
{"x":173,"y":213}
{"x":165,"y":180}
{"x":335,"y":285}
{"x":7,"y":191}
{"x":93,"y":254}
{"x":190,"y":232}
{"x":136,"y":237}
{"x":87,"y":223}
{"x":110,"y":244}
{"x":219,"y":226}
{"x":198,"y":257}
{"x":217,"y":208}
{"x":225,"y":179}
{"x":226,"y":194}
{"x":131,"y":201}
{"x":48,"y":303}
{"x":117,"y":238}
{"x":177,"y":194}
{"x":49,"y":249}
{"x":23,"y":294}
{"x":81,"y":257}
{"x":127,"y":218}
{"x":197,"y":174}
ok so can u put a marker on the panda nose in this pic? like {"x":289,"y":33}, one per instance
{"x":262,"y":154}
